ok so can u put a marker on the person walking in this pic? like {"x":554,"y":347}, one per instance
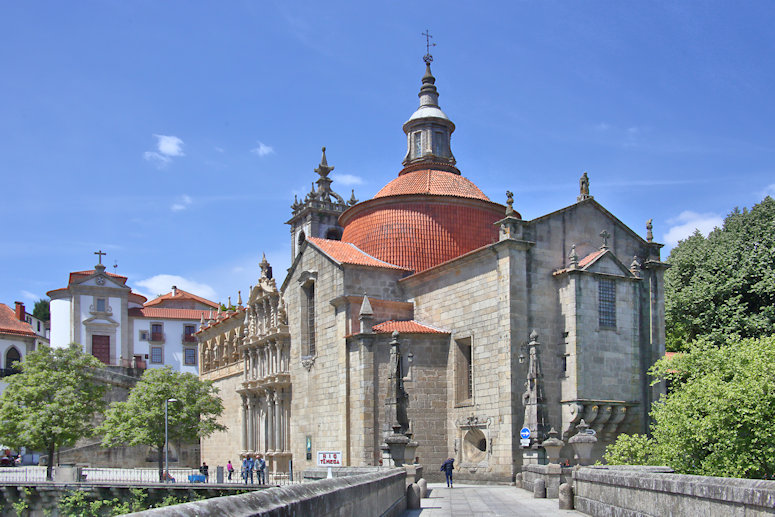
{"x":447,"y":467}
{"x":229,"y":469}
{"x":261,"y":468}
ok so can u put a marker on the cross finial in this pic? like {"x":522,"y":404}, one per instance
{"x":605,"y":235}
{"x":428,"y":58}
{"x":100,"y":253}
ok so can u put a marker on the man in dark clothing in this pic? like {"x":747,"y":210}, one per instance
{"x":447,"y":467}
{"x":205,"y":471}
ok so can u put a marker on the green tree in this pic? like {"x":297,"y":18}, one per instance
{"x":41,"y":309}
{"x":723,"y":285}
{"x":52,"y":402}
{"x":717,"y":420}
{"x":140,"y":419}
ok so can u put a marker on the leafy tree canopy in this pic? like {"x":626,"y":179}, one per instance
{"x":41,"y":309}
{"x":140,"y":419}
{"x":52,"y":402}
{"x":717,"y":420}
{"x":724,"y":284}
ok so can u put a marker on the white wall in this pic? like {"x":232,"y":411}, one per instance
{"x":172,"y":348}
{"x":60,"y":323}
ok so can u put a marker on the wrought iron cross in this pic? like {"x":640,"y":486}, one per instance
{"x":100,"y":253}
{"x":605,"y":235}
{"x":428,"y":57}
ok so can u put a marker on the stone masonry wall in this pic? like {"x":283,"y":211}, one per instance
{"x":222,"y":446}
{"x":318,"y":406}
{"x":630,"y":490}
{"x":463,"y":297}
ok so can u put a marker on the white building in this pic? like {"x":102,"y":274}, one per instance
{"x":121,"y":328}
{"x":17,"y":338}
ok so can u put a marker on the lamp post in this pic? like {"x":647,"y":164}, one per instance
{"x":166,"y":441}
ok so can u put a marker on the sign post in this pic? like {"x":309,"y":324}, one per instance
{"x":329,"y":459}
{"x":524,"y":435}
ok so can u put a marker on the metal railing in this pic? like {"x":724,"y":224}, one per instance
{"x":37,"y":474}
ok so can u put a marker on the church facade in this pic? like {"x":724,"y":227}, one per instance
{"x":434,"y":313}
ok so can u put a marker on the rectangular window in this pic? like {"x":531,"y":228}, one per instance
{"x":439,"y":144}
{"x":607,"y":303}
{"x":100,"y":304}
{"x":188,"y":333}
{"x":157,"y":333}
{"x":464,"y":372}
{"x":190,"y":356}
{"x":156,"y":355}
{"x":417,"y":138}
{"x":143,"y":335}
{"x":308,"y":319}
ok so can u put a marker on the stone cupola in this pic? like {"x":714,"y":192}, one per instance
{"x":428,"y":130}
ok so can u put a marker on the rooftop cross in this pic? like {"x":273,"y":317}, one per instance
{"x":428,"y":58}
{"x":605,"y":235}
{"x":100,"y":253}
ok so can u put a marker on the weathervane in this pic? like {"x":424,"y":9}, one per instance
{"x":428,"y":58}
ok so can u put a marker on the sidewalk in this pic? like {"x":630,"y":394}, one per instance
{"x":480,"y":500}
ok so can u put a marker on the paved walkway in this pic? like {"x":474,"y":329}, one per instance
{"x":481,"y":500}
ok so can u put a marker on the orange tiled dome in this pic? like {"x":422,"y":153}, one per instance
{"x":432,"y":182}
{"x":422,"y":219}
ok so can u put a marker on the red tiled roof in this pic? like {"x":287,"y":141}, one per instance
{"x":438,"y":183}
{"x":77,"y":276}
{"x":347,"y":253}
{"x":421,"y":233}
{"x":405,"y":327}
{"x":10,"y":324}
{"x":181,"y":295}
{"x":137,"y":297}
{"x":163,"y":313}
{"x":590,"y":258}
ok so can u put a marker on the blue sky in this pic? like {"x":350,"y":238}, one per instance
{"x":173,"y":135}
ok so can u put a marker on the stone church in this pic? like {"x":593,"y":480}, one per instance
{"x":434,"y":314}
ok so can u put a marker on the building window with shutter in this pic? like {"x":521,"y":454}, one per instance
{"x":607,"y":303}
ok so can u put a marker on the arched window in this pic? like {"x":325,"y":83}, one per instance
{"x":302,"y":238}
{"x":12,"y":356}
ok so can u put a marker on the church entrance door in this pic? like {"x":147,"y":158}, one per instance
{"x":100,"y":348}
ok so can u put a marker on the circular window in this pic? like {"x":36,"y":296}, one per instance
{"x":475,"y":446}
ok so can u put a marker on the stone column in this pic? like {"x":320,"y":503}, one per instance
{"x":246,"y":365}
{"x":244,"y":420}
{"x":249,"y":419}
{"x":276,"y":422}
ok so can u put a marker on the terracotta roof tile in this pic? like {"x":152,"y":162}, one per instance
{"x":590,"y":258}
{"x":439,"y":183}
{"x":181,"y":295}
{"x":9,"y":324}
{"x":406,"y":327}
{"x":77,"y":276}
{"x":347,"y":253}
{"x":419,"y":234}
{"x":164,"y":313}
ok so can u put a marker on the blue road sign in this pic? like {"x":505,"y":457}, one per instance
{"x":524,"y":433}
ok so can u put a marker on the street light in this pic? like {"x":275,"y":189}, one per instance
{"x":166,"y":442}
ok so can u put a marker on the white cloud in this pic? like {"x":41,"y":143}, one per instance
{"x":263,"y":149}
{"x":685,"y":224}
{"x":30,"y":296}
{"x":162,"y":284}
{"x":183,"y":203}
{"x":347,"y":179}
{"x":769,"y":190}
{"x":602,"y":126}
{"x":167,"y":147}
